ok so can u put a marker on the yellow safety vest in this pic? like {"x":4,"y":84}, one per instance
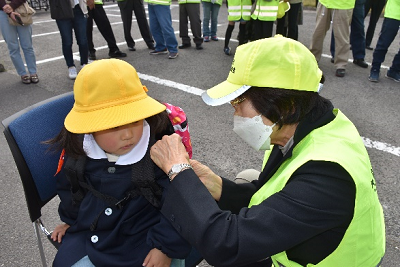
{"x":266,"y":10}
{"x":239,"y":9}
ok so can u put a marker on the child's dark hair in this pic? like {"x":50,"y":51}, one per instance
{"x":73,"y":143}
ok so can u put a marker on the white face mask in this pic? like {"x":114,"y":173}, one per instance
{"x":253,"y":131}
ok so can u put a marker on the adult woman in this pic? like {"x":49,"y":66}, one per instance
{"x":16,"y":36}
{"x":315,"y":198}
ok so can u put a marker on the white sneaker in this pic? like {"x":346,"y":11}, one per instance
{"x":72,"y":73}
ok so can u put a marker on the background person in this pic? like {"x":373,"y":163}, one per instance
{"x":190,"y":9}
{"x":315,"y":201}
{"x":113,"y":218}
{"x":210,"y":13}
{"x":376,"y":7}
{"x":18,"y":37}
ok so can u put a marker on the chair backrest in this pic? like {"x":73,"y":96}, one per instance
{"x":25,"y":132}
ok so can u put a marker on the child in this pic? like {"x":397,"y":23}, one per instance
{"x":112,"y":216}
{"x":210,"y":11}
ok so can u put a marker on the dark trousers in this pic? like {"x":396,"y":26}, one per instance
{"x":191,"y":11}
{"x":291,"y":29}
{"x":262,"y":29}
{"x":376,"y":7}
{"x":126,"y":7}
{"x":103,"y":24}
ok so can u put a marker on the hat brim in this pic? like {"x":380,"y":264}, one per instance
{"x":113,"y":116}
{"x":223,"y":93}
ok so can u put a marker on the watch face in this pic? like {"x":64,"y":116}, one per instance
{"x":176,"y":168}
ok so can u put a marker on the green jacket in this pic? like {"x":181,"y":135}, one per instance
{"x":392,"y":9}
{"x":364,"y":241}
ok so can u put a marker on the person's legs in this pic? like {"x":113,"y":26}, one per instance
{"x":193,"y":12}
{"x":242,"y":32}
{"x":125,"y":8}
{"x":323,"y":22}
{"x":140,"y":14}
{"x":376,"y":11}
{"x":79,"y":22}
{"x":340,"y":24}
{"x":10,"y":36}
{"x":65,"y":28}
{"x":163,"y":14}
{"x":293,"y":16}
{"x":214,"y":19}
{"x":357,"y":35}
{"x":177,"y":263}
{"x":206,"y":18}
{"x":89,"y":31}
{"x":280,"y":25}
{"x":104,"y":26}
{"x":155,"y":28}
{"x":183,"y":24}
{"x":84,"y":262}
{"x":25,"y":40}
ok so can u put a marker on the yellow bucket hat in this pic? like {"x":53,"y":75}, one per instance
{"x":275,"y":62}
{"x":108,"y":94}
{"x":283,"y":7}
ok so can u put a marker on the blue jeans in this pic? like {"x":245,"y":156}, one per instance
{"x":389,"y":30}
{"x":85,"y":262}
{"x":161,"y":28}
{"x":78,"y":24}
{"x":210,"y":10}
{"x":16,"y":36}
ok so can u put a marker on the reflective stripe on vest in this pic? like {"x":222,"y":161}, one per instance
{"x":364,"y":241}
{"x":239,"y":10}
{"x":266,"y":11}
{"x":158,"y":2}
{"x":189,"y":1}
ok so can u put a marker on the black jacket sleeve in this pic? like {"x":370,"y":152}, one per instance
{"x":67,"y":210}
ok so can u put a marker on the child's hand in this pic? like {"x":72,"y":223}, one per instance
{"x":59,"y":232}
{"x":156,"y":258}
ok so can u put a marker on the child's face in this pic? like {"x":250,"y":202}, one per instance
{"x":120,"y":140}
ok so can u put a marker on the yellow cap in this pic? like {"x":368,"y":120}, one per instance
{"x":283,"y":7}
{"x":275,"y":62}
{"x":108,"y":94}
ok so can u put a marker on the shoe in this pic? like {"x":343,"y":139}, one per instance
{"x":395,"y":76}
{"x":161,"y":52}
{"x":340,"y":73}
{"x":183,"y":46}
{"x":199,"y":46}
{"x":227,"y":51}
{"x":369,"y":47}
{"x":26,"y":79}
{"x":214,"y":38}
{"x":360,"y":62}
{"x":92,"y":55}
{"x":2,"y":69}
{"x":332,"y":60}
{"x":34,"y":78}
{"x":132,"y":48}
{"x":173,"y":55}
{"x":374,"y":76}
{"x":116,"y":54}
{"x":151,"y":46}
{"x":72,"y":72}
{"x":206,"y":39}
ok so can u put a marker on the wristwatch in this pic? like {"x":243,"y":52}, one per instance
{"x":177,"y":168}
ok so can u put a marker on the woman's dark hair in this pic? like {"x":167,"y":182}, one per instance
{"x":73,"y":143}
{"x":286,"y":106}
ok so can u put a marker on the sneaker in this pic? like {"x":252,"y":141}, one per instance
{"x":206,"y":39}
{"x":214,"y":38}
{"x":116,"y":54}
{"x":374,"y":76}
{"x":173,"y":55}
{"x":395,"y":76}
{"x":92,"y":55}
{"x":161,"y":52}
{"x":72,"y":73}
{"x":227,"y":51}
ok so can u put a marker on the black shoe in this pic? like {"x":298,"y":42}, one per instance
{"x":183,"y":46}
{"x":361,"y":62}
{"x":332,"y":60}
{"x":199,"y":46}
{"x":116,"y":54}
{"x":151,"y":46}
{"x":340,"y":73}
{"x":2,"y":69}
{"x":132,"y":48}
{"x":92,"y":55}
{"x":369,"y":47}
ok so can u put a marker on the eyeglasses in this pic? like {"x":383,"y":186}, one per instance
{"x":235,"y":102}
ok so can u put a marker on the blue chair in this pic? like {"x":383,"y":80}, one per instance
{"x":25,"y":132}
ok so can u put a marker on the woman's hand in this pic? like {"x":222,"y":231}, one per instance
{"x":59,"y":232}
{"x":156,"y":258}
{"x":169,"y":151}
{"x":212,"y":181}
{"x":7,"y":9}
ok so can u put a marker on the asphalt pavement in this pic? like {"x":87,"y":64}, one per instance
{"x":373,"y":108}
